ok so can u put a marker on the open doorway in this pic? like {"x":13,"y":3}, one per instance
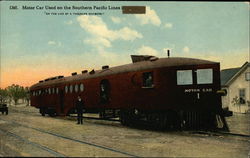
{"x":104,"y":91}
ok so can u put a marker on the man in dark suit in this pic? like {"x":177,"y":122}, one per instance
{"x":79,"y":109}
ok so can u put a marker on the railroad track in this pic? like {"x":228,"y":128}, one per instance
{"x":220,"y":133}
{"x":64,"y":137}
{"x":55,"y":153}
{"x":211,"y":133}
{"x":24,"y":112}
{"x":71,"y":116}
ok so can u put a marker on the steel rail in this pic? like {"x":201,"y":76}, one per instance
{"x":55,"y":153}
{"x":75,"y":140}
{"x":219,"y":133}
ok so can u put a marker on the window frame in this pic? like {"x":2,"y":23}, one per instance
{"x":81,"y":87}
{"x":145,"y":76}
{"x":243,"y":100}
{"x":71,"y":89}
{"x":66,"y":89}
{"x":76,"y":88}
{"x":185,"y":84}
{"x":212,"y":73}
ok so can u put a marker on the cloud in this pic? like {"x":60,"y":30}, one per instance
{"x":229,"y":59}
{"x":70,"y":22}
{"x":170,"y":47}
{"x":98,"y":41}
{"x":149,"y":18}
{"x":102,"y":36}
{"x":52,"y":43}
{"x":165,"y":51}
{"x":233,"y":58}
{"x":55,"y":43}
{"x":186,"y":49}
{"x":116,"y":20}
{"x":146,"y":50}
{"x":95,"y":26}
{"x":127,"y":34}
{"x":168,"y":25}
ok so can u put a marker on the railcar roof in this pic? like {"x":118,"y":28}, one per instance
{"x":142,"y":65}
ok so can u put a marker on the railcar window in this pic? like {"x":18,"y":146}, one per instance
{"x":34,"y":94}
{"x":148,"y":79}
{"x":66,"y":89}
{"x":57,"y":90}
{"x":76,"y":88}
{"x":204,"y":76}
{"x":81,"y":87}
{"x":71,"y":88}
{"x":184,"y":77}
{"x":53,"y":90}
{"x":39,"y":92}
{"x":49,"y":90}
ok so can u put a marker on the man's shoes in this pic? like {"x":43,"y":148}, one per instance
{"x":78,"y":123}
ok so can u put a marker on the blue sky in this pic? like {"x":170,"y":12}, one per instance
{"x":35,"y":46}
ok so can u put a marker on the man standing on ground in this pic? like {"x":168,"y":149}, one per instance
{"x":79,"y":109}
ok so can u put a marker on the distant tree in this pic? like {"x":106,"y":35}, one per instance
{"x":3,"y":95}
{"x":16,"y":92}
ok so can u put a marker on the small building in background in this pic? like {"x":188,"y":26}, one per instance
{"x":236,"y":81}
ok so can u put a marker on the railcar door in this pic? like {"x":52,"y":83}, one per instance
{"x":61,"y":100}
{"x":104,"y":91}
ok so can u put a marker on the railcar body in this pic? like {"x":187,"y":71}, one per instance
{"x":179,"y":92}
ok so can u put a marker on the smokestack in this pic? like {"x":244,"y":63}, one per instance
{"x":168,"y":53}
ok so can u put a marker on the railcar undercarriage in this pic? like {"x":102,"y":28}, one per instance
{"x":169,"y":119}
{"x":174,"y":120}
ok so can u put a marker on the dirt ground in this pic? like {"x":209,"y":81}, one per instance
{"x":111,"y":139}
